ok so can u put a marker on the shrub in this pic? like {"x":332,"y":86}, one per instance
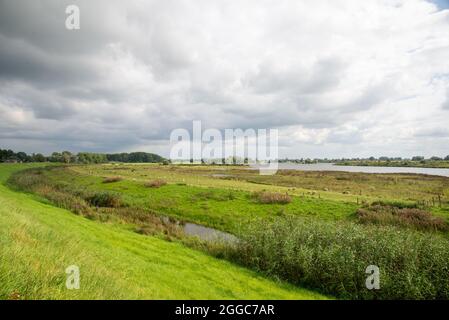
{"x":396,"y":204}
{"x":64,"y":200}
{"x":405,"y":217}
{"x":105,"y":199}
{"x":332,"y":257}
{"x":266,"y":197}
{"x":156,"y":183}
{"x":112,"y":179}
{"x":27,"y":180}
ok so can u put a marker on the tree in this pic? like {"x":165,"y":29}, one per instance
{"x":66,"y":157}
{"x":86,"y":157}
{"x":22,"y":157}
{"x":11,"y":155}
{"x":6,"y":155}
{"x":55,"y":157}
{"x":38,"y":158}
{"x":417,"y":158}
{"x":135,"y":157}
{"x":447,"y":158}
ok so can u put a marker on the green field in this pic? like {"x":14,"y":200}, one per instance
{"x":225,"y":205}
{"x":38,"y":241}
{"x":329,"y":195}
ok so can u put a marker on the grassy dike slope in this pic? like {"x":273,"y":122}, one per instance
{"x":38,"y":242}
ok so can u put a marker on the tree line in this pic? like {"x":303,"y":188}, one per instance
{"x":81,"y":157}
{"x":326,"y":160}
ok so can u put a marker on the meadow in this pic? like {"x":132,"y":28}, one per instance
{"x":316,"y":230}
{"x":344,"y":190}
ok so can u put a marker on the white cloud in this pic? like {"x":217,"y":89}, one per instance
{"x":336,"y":77}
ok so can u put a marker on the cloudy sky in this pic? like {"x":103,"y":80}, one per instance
{"x":338,"y":78}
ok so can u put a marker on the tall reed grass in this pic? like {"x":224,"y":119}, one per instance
{"x":333,"y":256}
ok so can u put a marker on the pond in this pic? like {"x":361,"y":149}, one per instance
{"x":204,"y":233}
{"x":208,"y":234}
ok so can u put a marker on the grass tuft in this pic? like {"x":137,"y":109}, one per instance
{"x":156,"y":183}
{"x":112,"y":179}
{"x":266,"y":197}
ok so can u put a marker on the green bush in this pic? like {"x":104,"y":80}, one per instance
{"x":396,"y":204}
{"x":64,"y":200}
{"x":266,"y":197}
{"x":404,"y":217}
{"x":104,"y":199}
{"x":332,"y":257}
{"x":27,"y":180}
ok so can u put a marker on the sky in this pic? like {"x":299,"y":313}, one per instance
{"x":442,"y":4}
{"x":340,"y":78}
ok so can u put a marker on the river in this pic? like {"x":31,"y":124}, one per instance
{"x":332,"y":167}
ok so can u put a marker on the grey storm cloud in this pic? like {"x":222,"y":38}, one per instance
{"x":325,"y":74}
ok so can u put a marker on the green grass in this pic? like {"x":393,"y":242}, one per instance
{"x":38,"y":241}
{"x":222,"y":208}
{"x":221,"y":196}
{"x":339,"y":186}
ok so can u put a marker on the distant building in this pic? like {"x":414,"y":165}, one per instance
{"x":12,"y":161}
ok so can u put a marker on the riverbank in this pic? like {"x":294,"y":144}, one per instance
{"x":442,"y":164}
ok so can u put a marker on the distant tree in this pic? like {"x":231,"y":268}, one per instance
{"x":56,"y":157}
{"x":436,"y":158}
{"x":22,"y":156}
{"x":38,"y":157}
{"x":309,"y":161}
{"x":66,"y":157}
{"x":6,"y":155}
{"x":135,"y":157}
{"x":447,"y":158}
{"x":86,"y":158}
{"x":417,"y":158}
